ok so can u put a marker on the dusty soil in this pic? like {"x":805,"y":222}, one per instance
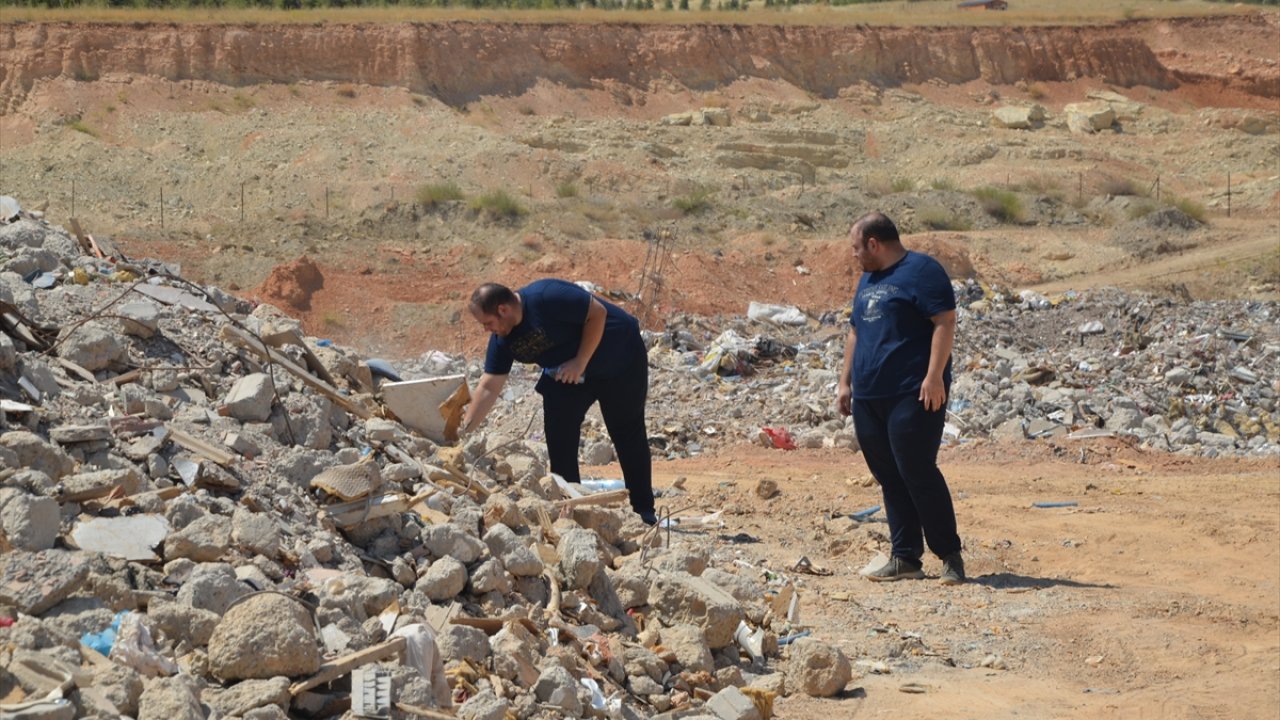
{"x":1157,"y":596}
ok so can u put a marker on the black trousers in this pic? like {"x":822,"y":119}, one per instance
{"x":900,"y":440}
{"x":622,"y":401}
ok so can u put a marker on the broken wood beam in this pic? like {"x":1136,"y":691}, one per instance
{"x":604,"y":498}
{"x":336,"y":668}
{"x":205,"y":449}
{"x":249,"y":342}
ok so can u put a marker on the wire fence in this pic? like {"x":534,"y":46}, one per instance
{"x":187,"y":206}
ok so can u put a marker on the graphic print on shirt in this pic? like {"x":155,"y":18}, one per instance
{"x":530,"y":345}
{"x":873,"y":299}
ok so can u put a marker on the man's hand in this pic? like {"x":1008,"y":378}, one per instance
{"x":844,"y":399}
{"x":933,"y":393}
{"x":570,"y":372}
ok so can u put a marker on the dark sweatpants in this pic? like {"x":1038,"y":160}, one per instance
{"x":622,"y":401}
{"x":899,"y":440}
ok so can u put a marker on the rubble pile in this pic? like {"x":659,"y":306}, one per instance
{"x":1197,"y":378}
{"x":205,"y":514}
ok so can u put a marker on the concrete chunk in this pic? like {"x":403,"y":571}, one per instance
{"x":250,"y":398}
{"x":680,"y":597}
{"x":33,"y":582}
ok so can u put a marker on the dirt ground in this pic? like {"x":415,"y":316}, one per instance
{"x":1156,"y":596}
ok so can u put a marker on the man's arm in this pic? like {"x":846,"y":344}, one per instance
{"x":482,"y":400}
{"x":592,"y":332}
{"x":933,"y":391}
{"x":844,"y":393}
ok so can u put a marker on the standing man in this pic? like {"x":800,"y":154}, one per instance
{"x":590,"y":351}
{"x":895,"y":381}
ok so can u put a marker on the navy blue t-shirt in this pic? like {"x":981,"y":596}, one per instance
{"x":891,"y":314}
{"x":550,"y":332}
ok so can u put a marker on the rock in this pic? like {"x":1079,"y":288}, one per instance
{"x":170,"y":698}
{"x":207,"y":539}
{"x":1089,"y":117}
{"x":1018,"y":117}
{"x":515,"y":654}
{"x":683,"y":598}
{"x":732,"y":704}
{"x":93,"y":347}
{"x":33,"y":582}
{"x":484,"y":706}
{"x":450,"y":540}
{"x":247,"y":695}
{"x":34,"y":453}
{"x":689,"y":646}
{"x":27,"y":522}
{"x":443,"y":580}
{"x":250,"y":398}
{"x":211,"y":586}
{"x":139,"y":319}
{"x":557,"y":687}
{"x":458,"y":642}
{"x":176,"y":621}
{"x":580,"y":558}
{"x":264,"y":636}
{"x":816,"y":668}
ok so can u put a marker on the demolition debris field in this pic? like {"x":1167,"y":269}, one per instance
{"x":1106,"y":199}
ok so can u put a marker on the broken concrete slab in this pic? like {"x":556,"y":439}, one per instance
{"x":417,"y":403}
{"x":33,"y":582}
{"x":132,"y":537}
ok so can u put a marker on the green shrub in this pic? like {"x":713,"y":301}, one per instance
{"x":936,"y":217}
{"x":499,"y":205}
{"x":79,"y":126}
{"x":900,"y":185}
{"x":1121,"y":187}
{"x":1002,"y":205}
{"x":696,"y":201}
{"x":942,"y":184}
{"x":566,"y":189}
{"x":1141,"y":209}
{"x":1190,"y":208}
{"x":436,"y":193}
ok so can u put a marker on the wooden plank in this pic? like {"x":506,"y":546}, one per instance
{"x":206,"y":450}
{"x":355,"y":512}
{"x":338,"y":667}
{"x":452,"y":411}
{"x":291,"y":337}
{"x":77,"y":370}
{"x":604,"y":498}
{"x":126,"y":378}
{"x":85,"y":246}
{"x":243,"y":339}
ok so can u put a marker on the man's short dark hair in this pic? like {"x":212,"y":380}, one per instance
{"x":489,"y":296}
{"x":876,"y":225}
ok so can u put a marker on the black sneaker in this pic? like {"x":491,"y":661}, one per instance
{"x":952,"y":570}
{"x":897,"y":569}
{"x":648,"y":518}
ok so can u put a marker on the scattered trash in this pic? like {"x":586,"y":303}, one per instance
{"x":865,"y":514}
{"x":787,"y":640}
{"x":913,"y":688}
{"x":102,"y":641}
{"x":778,"y":438}
{"x":1061,"y":504}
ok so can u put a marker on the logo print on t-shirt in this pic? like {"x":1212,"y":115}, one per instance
{"x":873,"y":300}
{"x":530,"y":345}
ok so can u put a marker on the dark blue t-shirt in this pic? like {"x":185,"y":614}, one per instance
{"x":550,"y":332}
{"x":891,"y":314}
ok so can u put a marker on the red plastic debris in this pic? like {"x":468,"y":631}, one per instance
{"x":780,"y":438}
